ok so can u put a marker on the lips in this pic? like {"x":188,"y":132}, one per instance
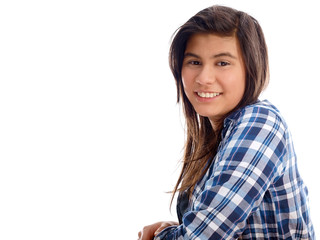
{"x":207,"y":95}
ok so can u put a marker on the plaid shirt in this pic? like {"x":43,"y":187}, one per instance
{"x":253,"y":189}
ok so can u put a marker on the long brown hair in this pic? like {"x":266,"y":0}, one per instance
{"x":202,"y":141}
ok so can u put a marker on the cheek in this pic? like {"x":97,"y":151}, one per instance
{"x":183,"y":77}
{"x":238,"y":82}
{"x":239,"y":90}
{"x":187,"y":87}
{"x":185,"y":81}
{"x":242,"y":86}
{"x":188,"y":75}
{"x":234,"y":88}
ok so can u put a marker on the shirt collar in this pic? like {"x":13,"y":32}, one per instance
{"x":232,"y":117}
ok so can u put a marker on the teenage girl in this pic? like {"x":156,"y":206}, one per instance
{"x":239,"y":178}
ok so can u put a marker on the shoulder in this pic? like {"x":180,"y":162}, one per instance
{"x":261,"y":113}
{"x":255,"y":122}
{"x":257,"y":131}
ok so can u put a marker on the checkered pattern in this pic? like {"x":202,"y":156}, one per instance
{"x":253,"y":189}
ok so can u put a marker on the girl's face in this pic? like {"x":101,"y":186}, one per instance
{"x":213,"y":75}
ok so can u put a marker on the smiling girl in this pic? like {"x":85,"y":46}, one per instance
{"x":239,"y":178}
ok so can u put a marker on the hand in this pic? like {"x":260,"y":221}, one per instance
{"x":150,"y":231}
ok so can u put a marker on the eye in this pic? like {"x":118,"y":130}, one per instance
{"x":223,"y":64}
{"x":194,"y":62}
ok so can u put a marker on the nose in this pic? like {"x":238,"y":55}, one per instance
{"x":206,"y":76}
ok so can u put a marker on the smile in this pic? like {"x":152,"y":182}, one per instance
{"x":207,"y":95}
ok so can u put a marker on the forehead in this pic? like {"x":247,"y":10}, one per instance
{"x":212,"y":43}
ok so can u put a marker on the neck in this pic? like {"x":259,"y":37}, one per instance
{"x":216,"y":124}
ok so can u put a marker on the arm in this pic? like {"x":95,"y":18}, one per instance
{"x":248,"y":162}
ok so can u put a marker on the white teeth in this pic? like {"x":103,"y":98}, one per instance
{"x":208,"y":95}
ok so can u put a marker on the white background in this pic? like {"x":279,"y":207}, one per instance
{"x":90,"y":132}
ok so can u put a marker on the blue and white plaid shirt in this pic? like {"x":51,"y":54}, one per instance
{"x":253,"y":189}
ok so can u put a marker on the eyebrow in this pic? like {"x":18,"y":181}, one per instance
{"x":223,"y":54}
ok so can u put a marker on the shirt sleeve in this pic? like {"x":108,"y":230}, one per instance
{"x":248,"y":161}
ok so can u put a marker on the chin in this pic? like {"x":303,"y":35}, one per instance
{"x":208,"y":115}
